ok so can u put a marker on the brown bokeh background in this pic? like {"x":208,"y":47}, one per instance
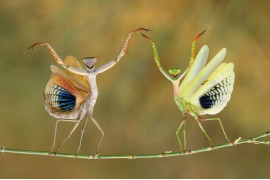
{"x":135,"y":106}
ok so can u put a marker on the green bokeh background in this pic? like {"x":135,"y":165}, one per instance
{"x":135,"y":106}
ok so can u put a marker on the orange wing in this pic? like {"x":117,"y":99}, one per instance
{"x":72,"y":61}
{"x":61,"y":95}
{"x":72,"y":78}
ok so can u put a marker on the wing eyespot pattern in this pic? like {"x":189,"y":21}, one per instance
{"x":59,"y":99}
{"x":217,"y":96}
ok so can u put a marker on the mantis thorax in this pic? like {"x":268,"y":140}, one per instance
{"x":185,"y":106}
{"x":181,"y":104}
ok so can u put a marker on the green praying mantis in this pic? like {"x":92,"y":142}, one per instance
{"x":204,"y":89}
{"x":71,"y":93}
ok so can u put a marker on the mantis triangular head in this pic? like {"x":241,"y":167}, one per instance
{"x":90,"y":63}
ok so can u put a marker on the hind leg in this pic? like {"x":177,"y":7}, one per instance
{"x":198,"y":119}
{"x":220,"y":123}
{"x":69,"y":134}
{"x":184,"y":132}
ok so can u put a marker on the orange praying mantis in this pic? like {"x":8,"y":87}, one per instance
{"x":71,"y":94}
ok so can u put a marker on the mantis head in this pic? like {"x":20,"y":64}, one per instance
{"x":90,"y":63}
{"x":175,"y":72}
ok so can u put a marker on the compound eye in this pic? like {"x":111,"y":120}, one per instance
{"x":175,"y":72}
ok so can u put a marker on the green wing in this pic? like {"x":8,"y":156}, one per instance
{"x":196,"y":67}
{"x":196,"y":82}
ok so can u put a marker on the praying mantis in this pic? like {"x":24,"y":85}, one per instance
{"x":204,"y":89}
{"x":71,"y":94}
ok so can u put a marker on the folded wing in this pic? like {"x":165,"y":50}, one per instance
{"x":197,"y":81}
{"x":195,"y":68}
{"x":72,"y":61}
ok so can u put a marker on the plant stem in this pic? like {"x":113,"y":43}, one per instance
{"x":252,"y":140}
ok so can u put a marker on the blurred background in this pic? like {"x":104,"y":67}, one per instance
{"x":135,"y":106}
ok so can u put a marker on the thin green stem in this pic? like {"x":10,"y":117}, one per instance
{"x":252,"y":140}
